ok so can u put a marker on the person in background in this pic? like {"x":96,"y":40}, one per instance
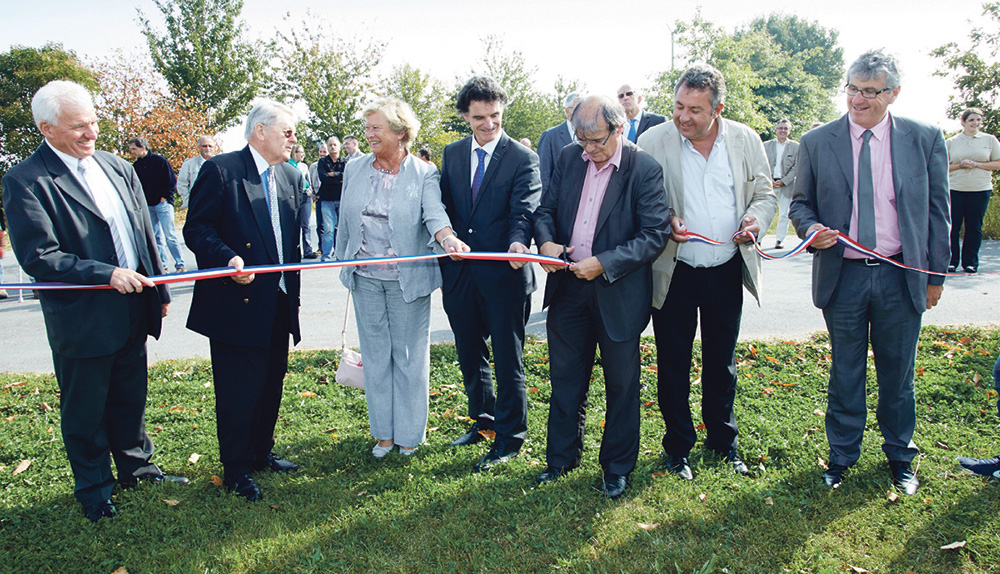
{"x":158,"y":183}
{"x":351,"y":150}
{"x":425,"y":154}
{"x":331,"y":177}
{"x":781,"y":153}
{"x":191,"y":166}
{"x":552,"y":140}
{"x":972,"y":158}
{"x":391,"y":206}
{"x":305,"y":206}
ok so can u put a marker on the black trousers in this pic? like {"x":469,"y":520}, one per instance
{"x":717,"y":294}
{"x":967,"y":207}
{"x":474,"y":320}
{"x":248,"y":385}
{"x":575,"y":330}
{"x":103,"y":411}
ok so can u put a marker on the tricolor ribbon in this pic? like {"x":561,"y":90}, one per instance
{"x":841,"y":238}
{"x":229,"y":271}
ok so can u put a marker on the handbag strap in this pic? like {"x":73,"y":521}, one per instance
{"x":347,"y":315}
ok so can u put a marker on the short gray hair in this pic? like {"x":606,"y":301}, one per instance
{"x":334,"y":138}
{"x":400,"y":116}
{"x":704,"y":77}
{"x":611,"y":111}
{"x":873,"y":63}
{"x":265,"y":113}
{"x":139,"y":141}
{"x":48,"y":102}
{"x":571,"y":99}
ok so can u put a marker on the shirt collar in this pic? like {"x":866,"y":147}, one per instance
{"x":259,"y":160}
{"x":73,"y":163}
{"x":720,"y":136}
{"x":616,"y":158}
{"x":489,"y":147}
{"x":880,"y":131}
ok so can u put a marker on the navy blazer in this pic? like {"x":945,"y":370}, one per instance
{"x":551,"y":142}
{"x":59,"y":234}
{"x":501,"y":215}
{"x":633,"y":226}
{"x":648,"y":120}
{"x":824,"y":194}
{"x":228,"y":216}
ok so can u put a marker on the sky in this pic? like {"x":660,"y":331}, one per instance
{"x":578,"y":39}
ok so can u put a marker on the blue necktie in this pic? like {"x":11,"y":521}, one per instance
{"x":866,"y":194}
{"x":631,"y":131}
{"x":477,"y":179}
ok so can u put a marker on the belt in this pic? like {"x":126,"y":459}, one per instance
{"x":875,"y":262}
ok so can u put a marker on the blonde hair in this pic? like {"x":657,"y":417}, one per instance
{"x":400,"y":116}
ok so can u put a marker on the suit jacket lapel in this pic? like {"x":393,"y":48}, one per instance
{"x":576,"y":174}
{"x":735,"y":148}
{"x":131,"y":210}
{"x":254,"y":190}
{"x":462,"y":193}
{"x":674,"y":176}
{"x":286,"y":211}
{"x":491,"y":169}
{"x":67,"y":181}
{"x":840,"y":143}
{"x":903,"y":148}
{"x":615,"y":187}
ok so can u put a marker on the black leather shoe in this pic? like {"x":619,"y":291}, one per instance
{"x":277,"y":464}
{"x":499,"y":453}
{"x":550,"y":474}
{"x":132,"y":481}
{"x":105,"y":509}
{"x":679,"y":466}
{"x":952,"y":268}
{"x":471,"y":437}
{"x":834,"y":475}
{"x":312,"y":255}
{"x":903,"y":477}
{"x":733,"y":458}
{"x":244,"y":485}
{"x":614,"y":485}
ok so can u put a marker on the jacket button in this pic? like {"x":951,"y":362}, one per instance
{"x":471,"y":231}
{"x":246,"y":300}
{"x":248,"y":246}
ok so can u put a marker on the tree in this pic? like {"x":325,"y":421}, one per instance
{"x":135,"y":100}
{"x":814,"y":46}
{"x":332,"y":76}
{"x":975,"y":71}
{"x":429,"y":99}
{"x":23,"y":71}
{"x":203,"y":56}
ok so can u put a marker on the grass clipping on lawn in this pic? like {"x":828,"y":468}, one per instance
{"x":348,"y":512}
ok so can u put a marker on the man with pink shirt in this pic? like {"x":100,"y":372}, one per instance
{"x":604,"y":211}
{"x":882,"y":180}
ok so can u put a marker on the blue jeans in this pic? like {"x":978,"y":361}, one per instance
{"x":330,"y":210}
{"x":162,"y":216}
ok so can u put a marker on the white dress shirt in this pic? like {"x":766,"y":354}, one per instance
{"x":474,"y":160}
{"x":709,"y":203}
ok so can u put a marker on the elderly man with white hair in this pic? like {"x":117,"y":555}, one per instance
{"x":78,"y":215}
{"x":244,"y":211}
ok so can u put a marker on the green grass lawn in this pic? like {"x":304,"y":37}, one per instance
{"x":347,"y":512}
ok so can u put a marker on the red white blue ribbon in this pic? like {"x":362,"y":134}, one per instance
{"x":841,"y":238}
{"x":229,"y":271}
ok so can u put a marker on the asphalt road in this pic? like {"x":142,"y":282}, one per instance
{"x":786,"y":312}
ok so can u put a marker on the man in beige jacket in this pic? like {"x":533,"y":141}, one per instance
{"x":717,"y":181}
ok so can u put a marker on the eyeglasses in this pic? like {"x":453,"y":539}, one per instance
{"x":585,"y":142}
{"x":867,"y":93}
{"x":622,"y":95}
{"x":287,"y":133}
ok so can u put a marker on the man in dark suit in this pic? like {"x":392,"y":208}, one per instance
{"x":244,"y":211}
{"x":883,"y":180}
{"x":77,"y":215}
{"x":490,"y":189}
{"x":554,"y":139}
{"x":637,"y":120}
{"x":605,"y":212}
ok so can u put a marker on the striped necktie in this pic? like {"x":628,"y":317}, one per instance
{"x":116,"y":236}
{"x":271,"y":189}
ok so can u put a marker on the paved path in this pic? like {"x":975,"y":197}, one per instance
{"x":787,"y":312}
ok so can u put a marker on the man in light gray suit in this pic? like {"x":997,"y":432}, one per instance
{"x":882,"y":180}
{"x":554,"y":139}
{"x":781,"y":153}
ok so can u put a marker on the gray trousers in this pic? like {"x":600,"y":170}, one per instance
{"x":871,"y":304}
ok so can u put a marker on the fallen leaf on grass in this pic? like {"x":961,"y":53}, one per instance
{"x":975,"y":380}
{"x":23,"y":466}
{"x":702,"y":497}
{"x":46,"y":406}
{"x":769,"y":501}
{"x":533,"y":463}
{"x":120,"y":570}
{"x":700,"y":427}
{"x":753,"y":351}
{"x":942,"y":445}
{"x":779,"y":383}
{"x":216,"y":480}
{"x":822,"y":463}
{"x":892,"y":496}
{"x":10,"y":418}
{"x":648,"y":403}
{"x":653,"y":369}
{"x":953,"y":545}
{"x":177,"y":408}
{"x":435,"y":393}
{"x":772,"y":359}
{"x":194,"y":458}
{"x":208,"y":384}
{"x":307,"y":394}
{"x":603,"y":423}
{"x":274,"y":507}
{"x":819,"y":413}
{"x":856,"y":569}
{"x":658,"y":475}
{"x":171,"y":501}
{"x":533,"y":390}
{"x":767,"y":391}
{"x":157,"y":428}
{"x":966,"y":340}
{"x":648,"y":526}
{"x":488,"y":433}
{"x":17,"y":384}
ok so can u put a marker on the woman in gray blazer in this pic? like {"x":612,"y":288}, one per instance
{"x":391,"y":206}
